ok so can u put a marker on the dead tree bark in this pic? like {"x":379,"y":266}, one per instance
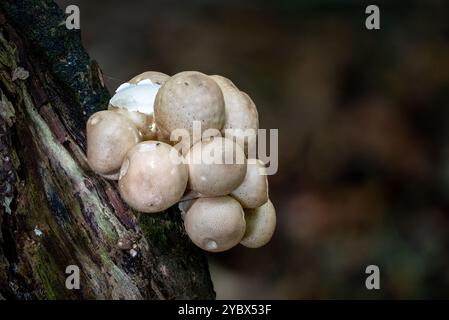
{"x":54,"y":211}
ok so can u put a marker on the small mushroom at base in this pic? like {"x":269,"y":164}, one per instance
{"x":260,"y":225}
{"x":215,"y":224}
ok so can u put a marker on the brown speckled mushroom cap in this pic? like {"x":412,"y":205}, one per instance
{"x":215,"y":224}
{"x":216,"y":179}
{"x":253,"y":191}
{"x":109,"y":136}
{"x":149,"y":180}
{"x":260,"y":225}
{"x":187,"y":97}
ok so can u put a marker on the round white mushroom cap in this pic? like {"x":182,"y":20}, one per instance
{"x":187,"y":97}
{"x":216,"y":166}
{"x":215,"y":224}
{"x":260,"y":225}
{"x":109,"y":137}
{"x":150,"y":181}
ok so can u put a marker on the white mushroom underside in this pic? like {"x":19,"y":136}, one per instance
{"x":136,"y":97}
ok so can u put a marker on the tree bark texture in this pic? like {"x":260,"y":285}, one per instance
{"x":54,"y":211}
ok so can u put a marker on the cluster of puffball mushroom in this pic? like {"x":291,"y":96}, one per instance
{"x":223,"y":204}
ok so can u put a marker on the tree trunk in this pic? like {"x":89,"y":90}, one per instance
{"x":54,"y":211}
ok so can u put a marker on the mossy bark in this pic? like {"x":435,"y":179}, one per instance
{"x":54,"y":211}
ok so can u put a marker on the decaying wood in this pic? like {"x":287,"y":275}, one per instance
{"x":54,"y":211}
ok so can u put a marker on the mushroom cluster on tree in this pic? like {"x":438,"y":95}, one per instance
{"x":133,"y":143}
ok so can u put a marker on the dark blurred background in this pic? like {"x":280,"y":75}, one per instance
{"x":363,"y":119}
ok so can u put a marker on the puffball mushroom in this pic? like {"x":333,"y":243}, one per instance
{"x":253,"y":191}
{"x":215,"y":224}
{"x":187,"y":97}
{"x":109,"y":136}
{"x":150,"y":180}
{"x":135,"y":99}
{"x":216,"y":166}
{"x":260,"y":225}
{"x":240,"y":113}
